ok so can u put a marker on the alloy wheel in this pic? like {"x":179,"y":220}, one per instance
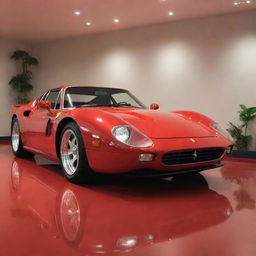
{"x":15,"y":136}
{"x":69,"y":152}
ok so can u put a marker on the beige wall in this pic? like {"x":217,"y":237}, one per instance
{"x":8,"y":68}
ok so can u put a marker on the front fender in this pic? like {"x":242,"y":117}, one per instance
{"x":196,"y":117}
{"x":96,"y":126}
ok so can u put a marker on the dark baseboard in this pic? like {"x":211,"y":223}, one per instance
{"x":5,"y":138}
{"x":243,"y":154}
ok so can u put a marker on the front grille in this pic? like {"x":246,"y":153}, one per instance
{"x":192,"y":156}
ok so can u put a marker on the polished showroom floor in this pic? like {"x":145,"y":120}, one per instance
{"x":206,"y":214}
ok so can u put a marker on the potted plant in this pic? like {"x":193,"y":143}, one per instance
{"x":239,"y":133}
{"x":21,"y":82}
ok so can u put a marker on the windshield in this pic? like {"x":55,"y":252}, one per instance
{"x":97,"y":96}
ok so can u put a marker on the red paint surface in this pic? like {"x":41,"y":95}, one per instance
{"x":211,"y":214}
{"x":168,"y":132}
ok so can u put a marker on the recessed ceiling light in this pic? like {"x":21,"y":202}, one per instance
{"x":88,"y":23}
{"x":77,"y":13}
{"x":116,"y":20}
{"x":170,"y":13}
{"x":242,"y":2}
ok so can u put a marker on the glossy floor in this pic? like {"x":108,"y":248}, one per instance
{"x":212,"y":213}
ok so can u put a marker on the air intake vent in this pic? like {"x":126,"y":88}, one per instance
{"x":192,"y":156}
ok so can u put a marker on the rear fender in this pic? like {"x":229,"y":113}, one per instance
{"x":15,"y":106}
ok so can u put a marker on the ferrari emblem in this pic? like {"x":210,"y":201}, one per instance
{"x":195,"y":155}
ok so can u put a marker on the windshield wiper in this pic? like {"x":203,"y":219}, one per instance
{"x":95,"y":105}
{"x":123,"y":104}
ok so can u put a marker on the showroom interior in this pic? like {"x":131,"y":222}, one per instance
{"x":182,"y":56}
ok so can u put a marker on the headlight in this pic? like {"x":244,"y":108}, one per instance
{"x":131,"y":137}
{"x":217,"y":127}
{"x":121,"y":133}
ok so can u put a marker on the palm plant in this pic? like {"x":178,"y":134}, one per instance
{"x":239,"y":133}
{"x":246,"y":115}
{"x":21,"y":82}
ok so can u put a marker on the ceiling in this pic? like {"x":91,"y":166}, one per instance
{"x":43,"y":20}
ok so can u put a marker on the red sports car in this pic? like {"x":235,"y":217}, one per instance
{"x":107,"y":130}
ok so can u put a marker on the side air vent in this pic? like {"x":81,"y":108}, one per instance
{"x":27,"y":113}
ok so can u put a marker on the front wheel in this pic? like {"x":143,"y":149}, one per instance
{"x":73,"y":156}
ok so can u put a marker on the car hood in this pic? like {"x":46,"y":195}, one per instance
{"x":156,"y":124}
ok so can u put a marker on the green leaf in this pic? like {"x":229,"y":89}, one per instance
{"x":243,"y":107}
{"x":19,"y":55}
{"x":21,"y":83}
{"x":30,"y":61}
{"x":252,"y":110}
{"x":242,"y":142}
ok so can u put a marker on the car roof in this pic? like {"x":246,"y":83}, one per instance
{"x":79,"y":85}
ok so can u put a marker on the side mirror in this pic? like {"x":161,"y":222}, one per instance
{"x":154,"y":106}
{"x":44,"y":104}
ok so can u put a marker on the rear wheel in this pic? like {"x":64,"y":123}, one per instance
{"x":17,"y":145}
{"x":73,"y":156}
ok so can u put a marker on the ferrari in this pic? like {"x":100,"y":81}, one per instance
{"x":92,"y":130}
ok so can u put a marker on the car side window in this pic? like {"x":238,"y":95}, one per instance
{"x":57,"y":106}
{"x":53,"y":97}
{"x":43,"y":96}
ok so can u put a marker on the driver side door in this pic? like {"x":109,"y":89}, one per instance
{"x":39,"y":120}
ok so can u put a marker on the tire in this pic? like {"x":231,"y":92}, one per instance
{"x":17,"y":145}
{"x":73,"y":158}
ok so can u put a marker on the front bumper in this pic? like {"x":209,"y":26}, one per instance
{"x":154,"y":173}
{"x":114,"y":159}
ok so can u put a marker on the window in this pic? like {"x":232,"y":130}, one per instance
{"x":57,"y":106}
{"x":43,"y":96}
{"x":123,"y":97}
{"x":95,"y":96}
{"x":53,"y":97}
{"x":77,"y":99}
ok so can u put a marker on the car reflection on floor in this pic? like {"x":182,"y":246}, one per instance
{"x":118,"y":216}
